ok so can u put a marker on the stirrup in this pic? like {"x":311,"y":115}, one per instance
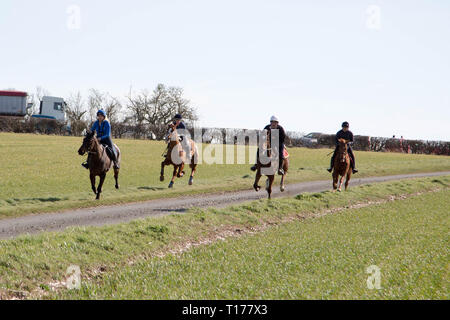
{"x":85,"y":165}
{"x":253,"y":168}
{"x":329,"y":170}
{"x":354,"y":171}
{"x":280,"y":172}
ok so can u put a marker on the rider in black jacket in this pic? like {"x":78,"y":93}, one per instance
{"x":346,"y":134}
{"x":274,"y":125}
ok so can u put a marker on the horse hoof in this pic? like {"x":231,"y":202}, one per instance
{"x":117,"y":186}
{"x":282,"y":188}
{"x":256,"y":187}
{"x":171,"y":185}
{"x":161,"y":178}
{"x":191,"y":181}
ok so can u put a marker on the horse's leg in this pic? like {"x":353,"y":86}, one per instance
{"x":116,"y":177}
{"x":347,"y":180}
{"x":92,"y":176}
{"x":193,"y":167}
{"x":270,"y":180}
{"x":100,"y":185}
{"x":163,"y":164}
{"x":257,"y":177}
{"x":335,"y":180}
{"x":180,"y":170}
{"x":285,"y":169}
{"x":340,"y":183}
{"x":174,"y":175}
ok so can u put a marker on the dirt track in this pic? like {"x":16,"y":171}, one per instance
{"x":10,"y":228}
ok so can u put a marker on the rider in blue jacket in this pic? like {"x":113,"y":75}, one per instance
{"x":103,"y":129}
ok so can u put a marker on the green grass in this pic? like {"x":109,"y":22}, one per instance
{"x":30,"y":262}
{"x":43,"y":173}
{"x":324,"y":258}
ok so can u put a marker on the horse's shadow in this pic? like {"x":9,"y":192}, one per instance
{"x":150,"y":188}
{"x":16,"y":201}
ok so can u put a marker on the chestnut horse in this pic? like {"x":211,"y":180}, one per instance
{"x":98,"y":161}
{"x":272,"y":170}
{"x":341,"y":166}
{"x":178,"y":164}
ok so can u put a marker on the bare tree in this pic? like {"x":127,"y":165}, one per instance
{"x":76,"y":112}
{"x":95,"y":101}
{"x":35,"y":99}
{"x":99,"y":100}
{"x":158,"y":108}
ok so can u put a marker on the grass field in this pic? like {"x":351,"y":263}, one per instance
{"x":43,"y":173}
{"x":294,"y":251}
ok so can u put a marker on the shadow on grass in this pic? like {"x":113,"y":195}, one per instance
{"x":440,"y":182}
{"x":151,"y":188}
{"x":16,"y":201}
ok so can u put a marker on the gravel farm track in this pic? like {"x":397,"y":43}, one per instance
{"x":98,"y":216}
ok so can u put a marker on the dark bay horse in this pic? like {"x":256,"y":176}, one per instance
{"x":174,"y":145}
{"x":269,"y":170}
{"x":341,"y":166}
{"x":99,"y":162}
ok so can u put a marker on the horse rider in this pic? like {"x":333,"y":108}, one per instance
{"x":274,"y":125}
{"x":181,"y":130}
{"x":103,"y":129}
{"x":346,"y":134}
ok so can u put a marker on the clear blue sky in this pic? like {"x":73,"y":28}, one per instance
{"x":312,"y":63}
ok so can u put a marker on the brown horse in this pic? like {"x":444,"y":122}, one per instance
{"x":98,"y":161}
{"x":174,"y":145}
{"x":341,"y":166}
{"x":270,"y":170}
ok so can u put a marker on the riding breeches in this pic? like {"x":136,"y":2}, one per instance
{"x":112,"y":152}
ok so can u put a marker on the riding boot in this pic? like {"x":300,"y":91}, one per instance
{"x":86,"y":164}
{"x":352,"y":161}
{"x":114,"y":158}
{"x":331,"y":163}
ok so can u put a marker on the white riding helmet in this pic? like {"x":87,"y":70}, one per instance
{"x":274,"y":118}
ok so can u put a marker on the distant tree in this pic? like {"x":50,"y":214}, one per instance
{"x":158,"y":108}
{"x":35,"y":100}
{"x":76,"y":112}
{"x":95,"y":101}
{"x":99,"y":100}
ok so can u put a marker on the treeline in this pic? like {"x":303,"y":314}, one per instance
{"x":139,"y":115}
{"x":380,"y":144}
{"x":145,"y":115}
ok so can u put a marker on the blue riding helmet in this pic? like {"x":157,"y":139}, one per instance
{"x":178,"y":117}
{"x":103,"y":113}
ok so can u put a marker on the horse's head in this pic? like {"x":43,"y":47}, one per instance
{"x":88,"y":143}
{"x":172,"y":136}
{"x":343,"y":150}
